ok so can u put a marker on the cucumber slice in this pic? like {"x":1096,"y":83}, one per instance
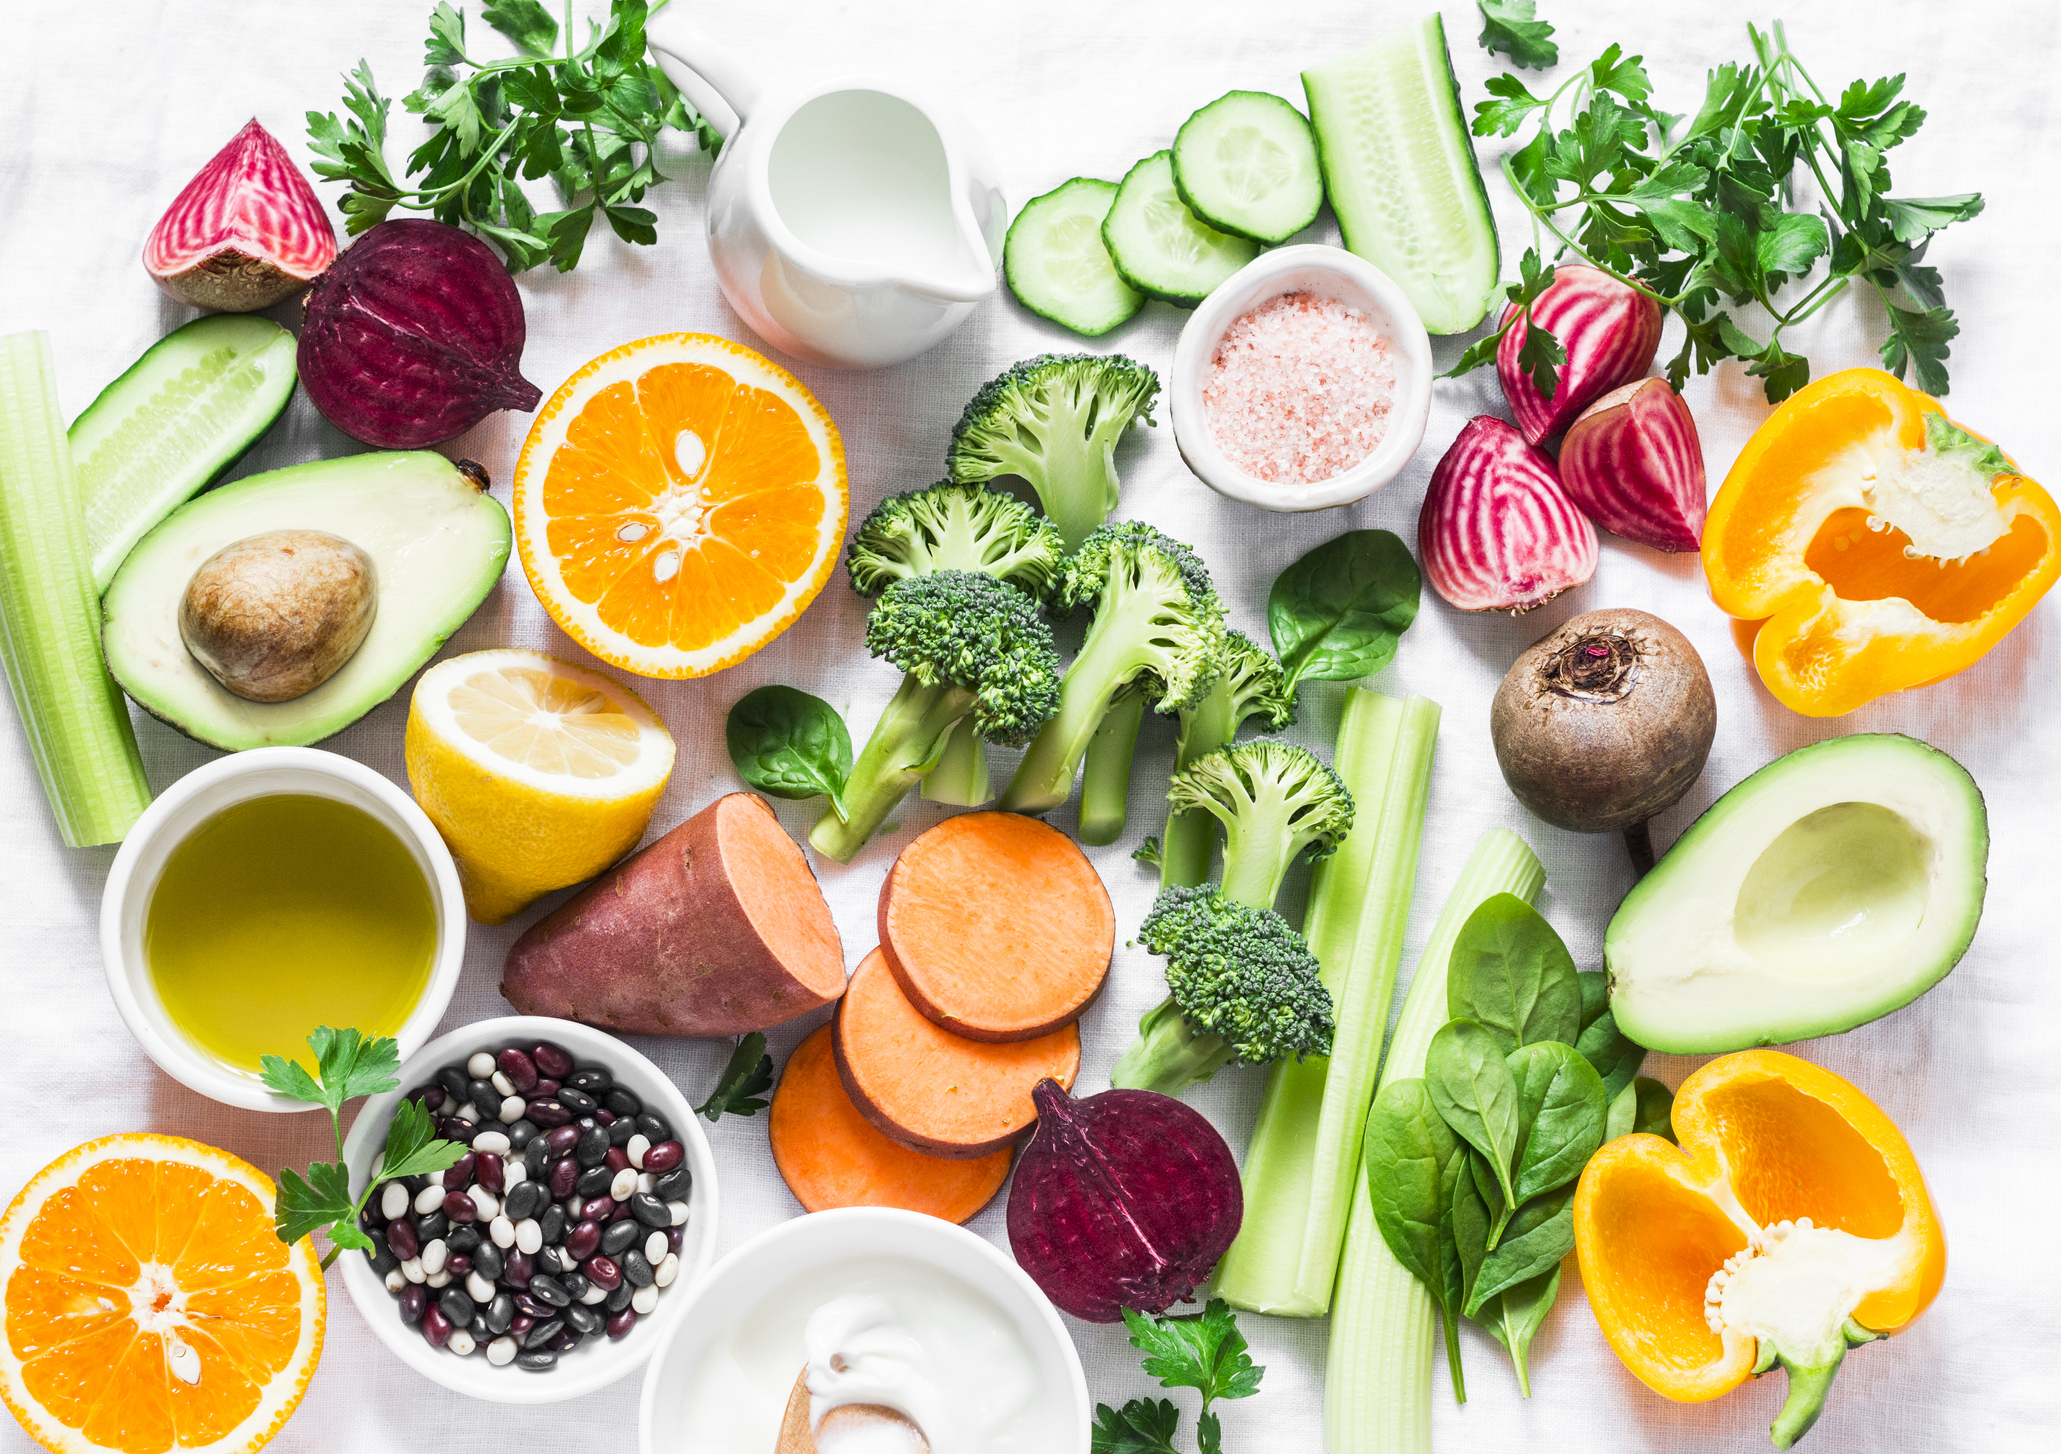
{"x":1246,"y":163}
{"x":173,"y":424}
{"x":1161,"y":248}
{"x":1400,"y":170}
{"x":1057,"y":266}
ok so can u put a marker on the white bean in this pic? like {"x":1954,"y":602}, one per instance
{"x":468,"y":1113}
{"x":435,"y":1253}
{"x":663,"y":1273}
{"x":393,"y":1201}
{"x":644,"y":1299}
{"x":485,"y":1204}
{"x":490,"y":1142}
{"x":501,"y":1352}
{"x":678,"y":1211}
{"x":635,"y":1149}
{"x":646,"y":1181}
{"x":437,"y":1279}
{"x":412,"y":1270}
{"x":594,"y":1295}
{"x":436,"y":1178}
{"x":502,"y":1083}
{"x":480,"y":1066}
{"x":574,"y":1205}
{"x":502,"y":1231}
{"x":512,"y":1108}
{"x":478,"y":1289}
{"x":460,"y":1342}
{"x":513,"y":1170}
{"x":656,"y":1246}
{"x":529,"y":1237}
{"x":625,"y":1183}
{"x":428,"y":1199}
{"x":395,"y":1279}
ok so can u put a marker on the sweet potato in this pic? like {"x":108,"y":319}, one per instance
{"x":934,"y":1091}
{"x":715,"y":929}
{"x":830,"y":1156}
{"x":997,"y":927}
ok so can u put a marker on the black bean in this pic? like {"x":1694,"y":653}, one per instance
{"x":536,"y":1360}
{"x":456,"y":1083}
{"x":621,"y":1321}
{"x":653,"y":1128}
{"x":457,"y":1306}
{"x":623,"y":1101}
{"x":522,"y":1133}
{"x":575,"y":1284}
{"x":519,"y":1068}
{"x":499,"y":1314}
{"x":595,"y":1080}
{"x":674,"y":1185}
{"x":543,"y":1333}
{"x":594,"y":1181}
{"x":458,"y":1175}
{"x":480,"y":1331}
{"x":592,"y":1149}
{"x":620,"y":1298}
{"x":636,"y":1267}
{"x":552,"y":1260}
{"x":620,"y":1131}
{"x":370,"y":1220}
{"x":402,"y":1241}
{"x":413,"y":1300}
{"x":431,"y":1225}
{"x":548,"y":1113}
{"x":517,"y":1269}
{"x":663,"y":1157}
{"x":489,"y":1261}
{"x":414,"y":1184}
{"x":525,"y":1199}
{"x":536,"y":1159}
{"x":602,"y":1272}
{"x":583,"y":1241}
{"x":582,"y":1319}
{"x":567,"y":1340}
{"x":464,"y":1239}
{"x":578,"y":1101}
{"x":554,"y":1224}
{"x":486,"y":1098}
{"x":548,"y":1289}
{"x":433,"y":1098}
{"x":620,"y":1235}
{"x":649,"y":1210}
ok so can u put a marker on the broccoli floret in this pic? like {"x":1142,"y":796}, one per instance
{"x":1158,"y":624}
{"x":1244,"y":986}
{"x":1275,"y":801}
{"x":953,"y":526}
{"x":1054,"y":421}
{"x":1253,"y":688}
{"x":972,"y":649}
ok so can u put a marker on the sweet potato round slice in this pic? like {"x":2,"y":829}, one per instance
{"x":830,"y":1156}
{"x":715,"y":929}
{"x":934,"y":1091}
{"x":997,"y":927}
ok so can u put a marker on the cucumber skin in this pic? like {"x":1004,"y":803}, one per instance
{"x":1262,"y":238}
{"x":1179,"y":300}
{"x":1009,"y":270}
{"x":1437,"y":21}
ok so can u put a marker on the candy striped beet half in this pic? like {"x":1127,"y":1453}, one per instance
{"x":245,"y":233}
{"x":1610,"y":332}
{"x":1634,"y":463}
{"x":1497,"y":533}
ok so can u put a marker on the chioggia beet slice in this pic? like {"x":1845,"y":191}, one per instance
{"x":1497,"y":532}
{"x":245,"y":233}
{"x":1610,"y":332}
{"x":1121,"y":1200}
{"x":1634,"y":463}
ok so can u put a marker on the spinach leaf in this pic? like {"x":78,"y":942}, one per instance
{"x":1601,"y":1043}
{"x":1624,"y":1113}
{"x":1476,"y":1206}
{"x":1510,"y":972}
{"x":790,"y":744}
{"x":1595,"y":988}
{"x":1451,"y":1294}
{"x":1538,"y":1236}
{"x":1337,"y":614}
{"x":1513,"y":1316}
{"x":1408,"y":1148}
{"x":1562,"y":1112}
{"x":1656,"y":1108}
{"x":1472,"y":1087}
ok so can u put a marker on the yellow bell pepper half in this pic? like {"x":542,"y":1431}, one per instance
{"x":1789,"y":1224}
{"x":1880,"y":545}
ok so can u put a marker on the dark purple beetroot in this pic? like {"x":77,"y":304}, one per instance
{"x":413,"y":336}
{"x":1122,"y":1200}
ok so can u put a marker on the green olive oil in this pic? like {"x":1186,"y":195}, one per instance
{"x":283,"y":913}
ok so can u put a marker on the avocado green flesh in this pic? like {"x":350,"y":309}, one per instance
{"x":437,"y":546}
{"x":1836,"y":884}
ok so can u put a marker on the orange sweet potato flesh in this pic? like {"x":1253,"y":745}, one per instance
{"x":716,"y":929}
{"x":830,"y":1156}
{"x":997,"y":927}
{"x":934,"y":1091}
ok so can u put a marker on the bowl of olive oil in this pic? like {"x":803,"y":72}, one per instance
{"x":271,"y":892}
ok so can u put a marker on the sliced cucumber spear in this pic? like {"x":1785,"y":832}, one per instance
{"x":1057,"y":266}
{"x":1400,"y":171}
{"x":1161,"y":248}
{"x":1247,"y":164}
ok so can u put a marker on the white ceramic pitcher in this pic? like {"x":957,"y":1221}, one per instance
{"x":853,"y":222}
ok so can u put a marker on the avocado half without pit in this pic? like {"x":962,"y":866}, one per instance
{"x":1836,"y":884}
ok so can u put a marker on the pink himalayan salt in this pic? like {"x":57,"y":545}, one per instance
{"x":1299,"y":389}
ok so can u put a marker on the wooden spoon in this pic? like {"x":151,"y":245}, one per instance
{"x":856,"y":1426}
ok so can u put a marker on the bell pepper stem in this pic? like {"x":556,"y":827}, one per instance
{"x":1808,"y":1387}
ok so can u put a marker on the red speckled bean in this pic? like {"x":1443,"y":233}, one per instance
{"x":459,"y":1208}
{"x":436,"y":1328}
{"x":600,"y":1210}
{"x":521,"y":1324}
{"x":622,"y":1210}
{"x":565,"y":1342}
{"x":664,"y":1157}
{"x":489,"y":1174}
{"x":563,"y":1175}
{"x":402,"y":1241}
{"x":547,"y":1112}
{"x":519,"y":1068}
{"x":458,"y":1176}
{"x":458,"y":1264}
{"x":551,"y":1060}
{"x":560,"y":1140}
{"x":675,"y":1237}
{"x":582,"y":1240}
{"x":618,"y":1159}
{"x":546,"y":1087}
{"x":516,"y":1269}
{"x":603,"y":1273}
{"x":620,"y":1325}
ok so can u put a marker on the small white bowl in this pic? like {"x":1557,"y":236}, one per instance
{"x":777,"y":1255}
{"x":190,"y":802}
{"x":1329,"y":272}
{"x":592,"y":1365}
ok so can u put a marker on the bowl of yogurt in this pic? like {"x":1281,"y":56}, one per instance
{"x":861,"y":1324}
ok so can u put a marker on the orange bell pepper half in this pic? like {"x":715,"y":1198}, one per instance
{"x":1883,"y":545}
{"x":1790,"y":1224}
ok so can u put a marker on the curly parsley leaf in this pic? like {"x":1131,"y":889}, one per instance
{"x":741,"y":1089}
{"x":1507,"y":28}
{"x":1142,"y":1426}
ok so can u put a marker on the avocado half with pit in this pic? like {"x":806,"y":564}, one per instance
{"x":1836,"y":884}
{"x":437,"y":542}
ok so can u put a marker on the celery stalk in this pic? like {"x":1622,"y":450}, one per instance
{"x":1377,"y":1386}
{"x":74,"y":715}
{"x":1304,"y":1155}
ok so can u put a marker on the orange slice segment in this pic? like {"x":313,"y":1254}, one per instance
{"x":678,"y":503}
{"x":148,"y":1305}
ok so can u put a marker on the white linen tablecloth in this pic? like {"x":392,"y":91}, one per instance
{"x":107,"y":108}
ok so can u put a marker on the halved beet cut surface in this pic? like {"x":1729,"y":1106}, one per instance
{"x":246,"y":232}
{"x":1610,"y":331}
{"x":1497,"y":531}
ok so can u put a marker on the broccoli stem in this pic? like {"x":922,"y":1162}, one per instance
{"x":1106,"y":664}
{"x":1079,"y":482}
{"x":1106,"y":772}
{"x":905,"y":746}
{"x":960,"y":778}
{"x":1169,"y":1056}
{"x":1189,"y":838}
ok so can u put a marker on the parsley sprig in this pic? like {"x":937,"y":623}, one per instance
{"x":1694,"y":211}
{"x":588,"y":118}
{"x":741,"y":1089}
{"x":347,"y":1066}
{"x":1206,"y":1353}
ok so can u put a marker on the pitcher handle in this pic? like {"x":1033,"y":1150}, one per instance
{"x":698,"y":65}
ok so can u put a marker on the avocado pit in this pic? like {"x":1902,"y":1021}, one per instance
{"x":274,"y":615}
